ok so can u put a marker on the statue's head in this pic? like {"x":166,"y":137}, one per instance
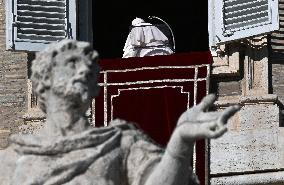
{"x":68,"y":70}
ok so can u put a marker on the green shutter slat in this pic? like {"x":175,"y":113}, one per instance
{"x":42,"y":32}
{"x":41,"y":20}
{"x":39,"y":37}
{"x":43,"y":3}
{"x":59,"y":27}
{"x":45,"y":8}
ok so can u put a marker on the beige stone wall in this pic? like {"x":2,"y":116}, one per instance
{"x":278,"y":79}
{"x":13,"y":85}
{"x":253,"y":138}
{"x":252,"y":151}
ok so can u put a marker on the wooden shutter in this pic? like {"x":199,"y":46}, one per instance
{"x":32,"y":24}
{"x":236,"y":19}
{"x":277,"y":37}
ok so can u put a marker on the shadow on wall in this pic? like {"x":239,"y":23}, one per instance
{"x":281,"y":117}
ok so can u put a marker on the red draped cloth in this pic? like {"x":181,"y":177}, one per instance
{"x":153,"y":92}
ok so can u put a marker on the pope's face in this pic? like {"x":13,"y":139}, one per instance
{"x":75,"y":79}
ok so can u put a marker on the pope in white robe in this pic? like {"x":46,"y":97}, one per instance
{"x":145,"y":39}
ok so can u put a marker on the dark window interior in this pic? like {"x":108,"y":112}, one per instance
{"x":112,"y":19}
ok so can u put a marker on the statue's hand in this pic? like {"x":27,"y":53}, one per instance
{"x":195,"y":123}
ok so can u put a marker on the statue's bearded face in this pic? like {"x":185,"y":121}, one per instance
{"x":74,"y":79}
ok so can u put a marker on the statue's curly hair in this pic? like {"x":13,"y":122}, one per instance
{"x":45,"y":60}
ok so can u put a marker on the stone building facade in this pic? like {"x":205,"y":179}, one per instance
{"x":248,"y":72}
{"x":252,"y":151}
{"x":13,"y":85}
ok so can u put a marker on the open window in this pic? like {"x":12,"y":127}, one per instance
{"x":32,"y":24}
{"x":236,"y":19}
{"x":112,"y":20}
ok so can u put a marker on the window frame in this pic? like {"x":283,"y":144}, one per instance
{"x":216,"y":24}
{"x":11,"y":28}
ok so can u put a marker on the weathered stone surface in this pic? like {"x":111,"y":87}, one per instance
{"x":278,"y":79}
{"x":256,"y":68}
{"x":272,"y":178}
{"x":226,"y":61}
{"x":4,"y":134}
{"x":228,"y":88}
{"x":254,"y":142}
{"x":13,"y":86}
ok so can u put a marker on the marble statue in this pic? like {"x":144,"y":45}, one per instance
{"x":68,"y":150}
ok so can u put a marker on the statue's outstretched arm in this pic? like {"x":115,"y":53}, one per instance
{"x":195,"y":123}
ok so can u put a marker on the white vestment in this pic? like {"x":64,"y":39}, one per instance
{"x":146,"y":39}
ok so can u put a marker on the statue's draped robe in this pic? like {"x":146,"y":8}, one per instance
{"x":116,"y":155}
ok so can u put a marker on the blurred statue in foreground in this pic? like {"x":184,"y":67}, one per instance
{"x":70,"y":151}
{"x":145,"y":39}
